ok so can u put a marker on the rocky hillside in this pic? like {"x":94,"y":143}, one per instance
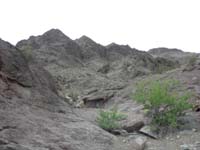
{"x":173,"y":54}
{"x":83,"y":65}
{"x":34,"y":117}
{"x":53,"y":47}
{"x":52,"y":89}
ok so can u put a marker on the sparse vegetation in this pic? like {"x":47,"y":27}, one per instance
{"x":161,"y":68}
{"x":163,"y":103}
{"x":192,"y":60}
{"x":108,"y":120}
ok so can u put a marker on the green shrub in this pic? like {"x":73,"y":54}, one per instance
{"x":108,"y":120}
{"x":165,"y":105}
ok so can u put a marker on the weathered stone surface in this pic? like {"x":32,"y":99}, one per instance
{"x":140,"y":143}
{"x":91,"y":50}
{"x":84,"y":64}
{"x":190,"y":121}
{"x":120,"y":132}
{"x":134,"y":120}
{"x":175,"y":55}
{"x":133,"y":126}
{"x":146,"y":130}
{"x":53,"y":47}
{"x":97,"y":101}
{"x":34,"y":117}
{"x":16,"y":70}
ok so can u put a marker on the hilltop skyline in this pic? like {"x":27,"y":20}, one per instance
{"x":141,"y":24}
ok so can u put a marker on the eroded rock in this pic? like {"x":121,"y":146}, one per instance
{"x":147,"y":130}
{"x":34,"y":116}
{"x":133,"y":126}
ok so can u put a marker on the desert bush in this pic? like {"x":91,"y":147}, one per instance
{"x":108,"y":120}
{"x":162,"y":100}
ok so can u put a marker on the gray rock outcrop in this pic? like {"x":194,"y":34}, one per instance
{"x":34,"y":117}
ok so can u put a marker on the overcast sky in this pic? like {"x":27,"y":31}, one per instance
{"x":142,"y":24}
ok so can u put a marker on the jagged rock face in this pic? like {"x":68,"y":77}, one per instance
{"x":16,"y":68}
{"x":116,"y":51}
{"x":26,"y":82}
{"x":69,"y":72}
{"x":32,"y":114}
{"x":94,"y":54}
{"x":83,"y":65}
{"x":125,"y":62}
{"x":91,"y":49}
{"x":51,"y":47}
{"x":133,"y":63}
{"x":34,"y":117}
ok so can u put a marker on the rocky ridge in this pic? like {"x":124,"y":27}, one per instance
{"x":172,"y":54}
{"x":83,"y":65}
{"x":34,"y":117}
{"x":43,"y":78}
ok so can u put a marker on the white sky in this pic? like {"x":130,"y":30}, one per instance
{"x":142,"y":24}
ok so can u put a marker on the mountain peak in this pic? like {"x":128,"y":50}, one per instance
{"x":114,"y":45}
{"x":55,"y":35}
{"x":84,"y":37}
{"x":85,"y":40}
{"x":52,"y":36}
{"x":54,"y":31}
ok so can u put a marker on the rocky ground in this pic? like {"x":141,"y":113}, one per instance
{"x":52,"y":89}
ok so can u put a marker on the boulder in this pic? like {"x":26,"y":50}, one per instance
{"x":140,"y":143}
{"x":133,"y":126}
{"x":97,"y":100}
{"x":147,"y":130}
